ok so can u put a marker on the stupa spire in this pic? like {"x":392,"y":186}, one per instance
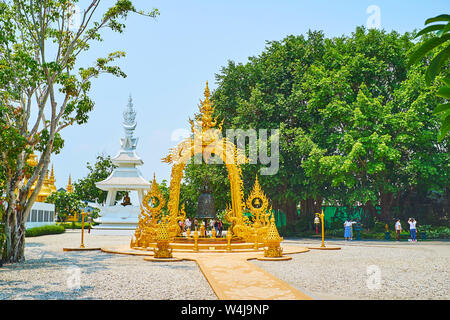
{"x":69,"y":185}
{"x":52,"y":176}
{"x":52,"y":180}
{"x":46,"y":179}
{"x":129,"y":124}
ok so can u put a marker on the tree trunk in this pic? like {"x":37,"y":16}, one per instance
{"x":18,"y":208}
{"x":308,"y":209}
{"x":15,"y":237}
{"x":386,"y":201}
{"x":290,"y":208}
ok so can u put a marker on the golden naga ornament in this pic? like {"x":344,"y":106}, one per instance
{"x":151,"y":217}
{"x":255,"y":228}
{"x":273,"y":241}
{"x":163,"y":249}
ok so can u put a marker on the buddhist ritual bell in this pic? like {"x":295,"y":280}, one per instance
{"x":206,"y":208}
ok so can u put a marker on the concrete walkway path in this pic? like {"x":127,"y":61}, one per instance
{"x":233,"y":277}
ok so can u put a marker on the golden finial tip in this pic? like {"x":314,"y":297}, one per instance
{"x":207,"y":93}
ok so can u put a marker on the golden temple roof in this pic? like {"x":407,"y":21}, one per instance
{"x":48,"y":186}
{"x":69,"y":187}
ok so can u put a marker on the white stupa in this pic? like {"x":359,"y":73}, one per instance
{"x":126,"y":177}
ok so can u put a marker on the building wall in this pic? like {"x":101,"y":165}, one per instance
{"x":41,"y":214}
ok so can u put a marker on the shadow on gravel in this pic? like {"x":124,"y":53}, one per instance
{"x":15,"y":292}
{"x":38,"y":293}
{"x":58,"y":295}
{"x":36,"y":259}
{"x":34,"y":244}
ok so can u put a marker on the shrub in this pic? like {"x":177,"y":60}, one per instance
{"x":75,"y":225}
{"x":434,"y":232}
{"x":373,"y":235}
{"x":44,"y":230}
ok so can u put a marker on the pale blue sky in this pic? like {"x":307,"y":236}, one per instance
{"x":170,"y":58}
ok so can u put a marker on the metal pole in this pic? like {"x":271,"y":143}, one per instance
{"x":323,"y":232}
{"x":83,"y":214}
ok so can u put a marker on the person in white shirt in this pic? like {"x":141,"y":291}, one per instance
{"x":348,"y":229}
{"x":398,"y":229}
{"x":412,"y":229}
{"x":187,"y":224}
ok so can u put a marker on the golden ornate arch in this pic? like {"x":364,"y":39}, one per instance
{"x":206,"y":139}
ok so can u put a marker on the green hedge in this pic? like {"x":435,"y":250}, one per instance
{"x":75,"y":225}
{"x":44,"y":230}
{"x":432,"y":233}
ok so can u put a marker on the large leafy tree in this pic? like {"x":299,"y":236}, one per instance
{"x":265,"y":94}
{"x":43,"y":90}
{"x":441,"y":40}
{"x":85,"y":188}
{"x":66,"y":204}
{"x":355,"y":127}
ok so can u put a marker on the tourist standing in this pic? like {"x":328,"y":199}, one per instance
{"x":412,"y":229}
{"x":220,"y":227}
{"x":89,"y":220}
{"x":398,"y":229}
{"x":195,"y":224}
{"x":203,"y":228}
{"x":348,"y":229}
{"x":187,"y":224}
{"x":216,"y":225}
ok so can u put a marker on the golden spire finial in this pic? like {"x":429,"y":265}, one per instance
{"x":52,"y":176}
{"x":207,"y":93}
{"x":273,"y":234}
{"x":205,"y":119}
{"x":31,"y":160}
{"x":273,"y":241}
{"x":69,"y":185}
{"x":52,"y":181}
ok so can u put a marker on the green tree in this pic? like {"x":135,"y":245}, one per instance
{"x":85,"y":188}
{"x":196,"y":177}
{"x":66,"y":204}
{"x":440,"y":40}
{"x":355,"y":127}
{"x":38,"y":58}
{"x":264,"y":94}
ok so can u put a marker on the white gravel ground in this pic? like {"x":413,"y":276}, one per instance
{"x":50,"y":273}
{"x":369,"y":270}
{"x":404,"y":270}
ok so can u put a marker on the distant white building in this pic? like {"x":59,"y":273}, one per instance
{"x":41,"y":214}
{"x":125,"y":177}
